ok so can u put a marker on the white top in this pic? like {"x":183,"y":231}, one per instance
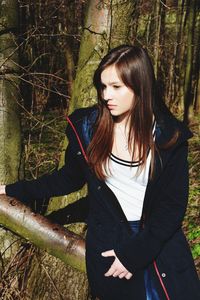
{"x":128,"y":187}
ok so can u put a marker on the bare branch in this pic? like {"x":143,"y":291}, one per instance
{"x":53,"y":238}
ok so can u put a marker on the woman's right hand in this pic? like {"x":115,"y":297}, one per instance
{"x":2,"y":189}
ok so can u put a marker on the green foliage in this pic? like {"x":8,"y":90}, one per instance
{"x":196,"y":251}
{"x":193,"y":236}
{"x":191,"y":224}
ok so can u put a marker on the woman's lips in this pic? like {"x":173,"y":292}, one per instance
{"x":111,"y":106}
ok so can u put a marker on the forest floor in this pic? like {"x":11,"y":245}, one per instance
{"x":43,"y":136}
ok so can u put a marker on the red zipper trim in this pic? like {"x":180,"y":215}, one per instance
{"x":77,"y":136}
{"x":156,"y":269}
{"x":161,"y":281}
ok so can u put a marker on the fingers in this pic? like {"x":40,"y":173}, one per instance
{"x":124,"y":274}
{"x":128,"y":276}
{"x":120,"y":274}
{"x":118,"y":270}
{"x":111,"y":271}
{"x":108,"y":253}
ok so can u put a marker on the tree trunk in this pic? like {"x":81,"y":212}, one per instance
{"x":9,"y":94}
{"x":10,"y":140}
{"x":172,"y":86}
{"x":188,"y":97}
{"x":196,"y":105}
{"x":157,"y":25}
{"x":107,"y":24}
{"x":197,"y":95}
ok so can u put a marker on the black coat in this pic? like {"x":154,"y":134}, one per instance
{"x":160,"y":244}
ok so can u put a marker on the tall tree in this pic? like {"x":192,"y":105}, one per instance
{"x":159,"y":23}
{"x":10,"y":139}
{"x":10,"y":133}
{"x":107,"y":24}
{"x":173,"y":85}
{"x":196,"y":105}
{"x":188,"y":96}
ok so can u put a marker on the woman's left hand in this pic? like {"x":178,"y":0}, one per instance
{"x":116,"y":269}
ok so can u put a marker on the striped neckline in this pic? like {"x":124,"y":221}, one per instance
{"x":124,"y":162}
{"x":128,"y":163}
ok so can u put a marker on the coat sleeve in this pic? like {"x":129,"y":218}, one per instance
{"x":72,"y":213}
{"x":166,"y":216}
{"x":61,"y":182}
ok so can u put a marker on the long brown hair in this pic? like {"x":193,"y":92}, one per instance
{"x":135,"y":69}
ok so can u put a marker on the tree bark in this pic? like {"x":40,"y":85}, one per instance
{"x":188,"y":97}
{"x":172,"y":86}
{"x":9,"y":94}
{"x":196,"y":105}
{"x":179,"y":59}
{"x":107,"y":24}
{"x":53,"y":238}
{"x":10,"y":140}
{"x":10,"y":133}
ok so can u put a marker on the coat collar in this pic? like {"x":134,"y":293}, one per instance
{"x":166,"y":125}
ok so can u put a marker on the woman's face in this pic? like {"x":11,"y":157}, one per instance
{"x":118,"y":96}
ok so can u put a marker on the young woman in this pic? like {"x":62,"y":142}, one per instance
{"x":132,"y":153}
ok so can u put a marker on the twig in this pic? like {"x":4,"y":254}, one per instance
{"x":52,"y":282}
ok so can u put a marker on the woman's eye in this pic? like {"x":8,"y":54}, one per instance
{"x":116,"y":86}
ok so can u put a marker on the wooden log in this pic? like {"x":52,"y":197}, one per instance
{"x":55,"y":239}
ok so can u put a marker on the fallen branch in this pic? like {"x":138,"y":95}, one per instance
{"x":53,"y":238}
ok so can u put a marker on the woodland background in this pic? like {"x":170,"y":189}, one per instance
{"x":48,"y":52}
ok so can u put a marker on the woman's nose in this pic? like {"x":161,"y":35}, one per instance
{"x":107,"y":94}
